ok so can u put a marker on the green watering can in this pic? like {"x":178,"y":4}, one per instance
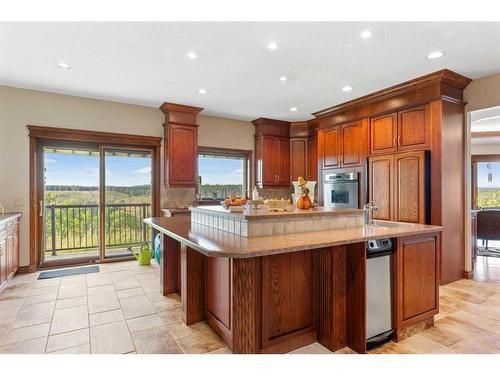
{"x":144,"y":256}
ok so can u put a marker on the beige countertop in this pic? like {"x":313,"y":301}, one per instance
{"x":9,"y":216}
{"x":264,"y":213}
{"x":214,"y":242}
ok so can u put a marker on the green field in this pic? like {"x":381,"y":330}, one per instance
{"x":59,"y":195}
{"x":488,"y":197}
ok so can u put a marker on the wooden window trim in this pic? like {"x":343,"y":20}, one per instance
{"x":248,"y":154}
{"x":63,"y":136}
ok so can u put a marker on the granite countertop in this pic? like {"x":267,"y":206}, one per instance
{"x":176,"y":210}
{"x":9,"y":216}
{"x":264,"y":213}
{"x":213,"y":242}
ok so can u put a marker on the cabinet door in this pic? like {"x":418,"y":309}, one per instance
{"x":380,"y":185}
{"x":353,"y":144}
{"x":15,"y":253}
{"x":218,"y":289}
{"x":298,"y":158}
{"x":413,"y":129}
{"x":283,"y":161}
{"x":3,"y":258}
{"x":182,"y":155}
{"x":331,"y":147}
{"x":383,"y":134}
{"x":269,"y":160}
{"x":417,"y":265}
{"x":409,"y":187}
{"x":312,"y":150}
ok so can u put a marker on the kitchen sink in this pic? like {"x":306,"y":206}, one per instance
{"x":387,"y":224}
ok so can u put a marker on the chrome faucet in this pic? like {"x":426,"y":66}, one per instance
{"x":368,"y":212}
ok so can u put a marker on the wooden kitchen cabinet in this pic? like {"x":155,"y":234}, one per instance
{"x":312,"y":158}
{"x":416,"y":283}
{"x":9,"y":248}
{"x":397,"y":185}
{"x":299,"y":163}
{"x":180,"y":145}
{"x":400,"y":131}
{"x":343,"y":146}
{"x":272,"y":156}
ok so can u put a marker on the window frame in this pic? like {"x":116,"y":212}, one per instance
{"x":247,"y":168}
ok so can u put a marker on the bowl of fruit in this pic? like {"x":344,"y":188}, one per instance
{"x":233,"y":201}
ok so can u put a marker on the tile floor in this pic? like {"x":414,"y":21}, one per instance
{"x":120,"y":310}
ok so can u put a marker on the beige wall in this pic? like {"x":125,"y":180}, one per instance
{"x":20,"y":107}
{"x":485,"y":149}
{"x":483,"y":93}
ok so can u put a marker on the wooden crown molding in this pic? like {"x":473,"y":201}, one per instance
{"x":444,"y":76}
{"x":64,"y":134}
{"x":173,"y":107}
{"x":269,"y":121}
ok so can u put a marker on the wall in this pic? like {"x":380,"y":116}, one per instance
{"x":483,"y":93}
{"x":485,"y":149}
{"x":480,"y":94}
{"x":20,"y":107}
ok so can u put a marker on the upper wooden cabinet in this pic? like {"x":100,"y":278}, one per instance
{"x":397,"y":185}
{"x":272,"y":155}
{"x":180,"y":145}
{"x":400,"y":131}
{"x":312,"y":158}
{"x":299,"y":158}
{"x":343,"y":146}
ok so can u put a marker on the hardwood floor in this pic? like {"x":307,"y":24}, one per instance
{"x":120,"y":310}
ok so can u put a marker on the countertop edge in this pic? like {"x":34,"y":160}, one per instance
{"x":10,"y":216}
{"x":292,"y":249}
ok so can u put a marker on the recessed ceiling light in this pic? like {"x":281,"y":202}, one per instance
{"x":435,"y":55}
{"x":365,"y":34}
{"x":346,"y":88}
{"x":192,"y":55}
{"x":294,"y":109}
{"x":283,"y":78}
{"x":63,"y":65}
{"x":272,"y":46}
{"x":202,"y":91}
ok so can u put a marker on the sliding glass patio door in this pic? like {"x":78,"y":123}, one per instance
{"x":127,"y":197}
{"x":94,"y":201}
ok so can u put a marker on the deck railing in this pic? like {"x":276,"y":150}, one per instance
{"x":76,"y":227}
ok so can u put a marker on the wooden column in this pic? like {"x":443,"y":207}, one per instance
{"x":247,"y":305}
{"x":331,"y":288}
{"x":340,"y":280}
{"x":192,"y":285}
{"x":170,"y":265}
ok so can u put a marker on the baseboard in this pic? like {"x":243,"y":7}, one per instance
{"x":468,"y":274}
{"x":24,"y":269}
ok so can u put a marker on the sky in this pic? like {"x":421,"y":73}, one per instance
{"x":482,"y":175}
{"x":220,"y":171}
{"x":62,"y":169}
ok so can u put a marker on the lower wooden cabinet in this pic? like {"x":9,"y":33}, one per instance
{"x":416,"y":282}
{"x":9,"y":248}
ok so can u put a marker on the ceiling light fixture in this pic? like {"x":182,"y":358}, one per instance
{"x":272,"y":46}
{"x":435,"y":55}
{"x":192,"y":55}
{"x":202,"y":91}
{"x":366,"y":34}
{"x":346,"y":88}
{"x":63,"y":65}
{"x":283,"y":78}
{"x":294,"y":109}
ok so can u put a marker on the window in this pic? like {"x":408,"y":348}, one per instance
{"x":222,"y":172}
{"x":488,"y":184}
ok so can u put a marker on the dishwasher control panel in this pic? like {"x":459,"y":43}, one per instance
{"x":377,"y":246}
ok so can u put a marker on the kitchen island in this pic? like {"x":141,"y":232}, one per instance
{"x":273,"y":293}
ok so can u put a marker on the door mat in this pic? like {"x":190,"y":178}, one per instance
{"x":488,"y":252}
{"x":68,"y":272}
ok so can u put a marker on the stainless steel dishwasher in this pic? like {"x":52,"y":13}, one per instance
{"x":379,"y":327}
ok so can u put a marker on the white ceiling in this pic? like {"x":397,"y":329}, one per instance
{"x":486,"y":120}
{"x":146,"y":63}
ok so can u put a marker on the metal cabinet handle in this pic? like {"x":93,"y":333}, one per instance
{"x":41,"y":208}
{"x":399,"y":140}
{"x":394,"y":141}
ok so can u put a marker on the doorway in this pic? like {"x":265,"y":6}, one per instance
{"x":89,"y":198}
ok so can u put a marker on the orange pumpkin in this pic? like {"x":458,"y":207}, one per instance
{"x":304,"y":203}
